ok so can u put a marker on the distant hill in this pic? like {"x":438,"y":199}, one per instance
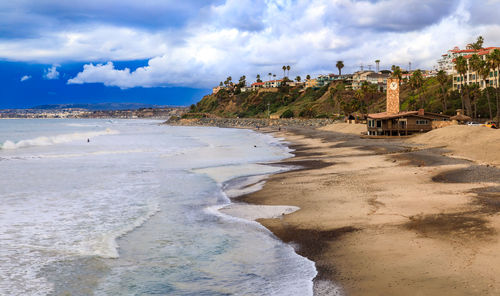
{"x":97,"y":106}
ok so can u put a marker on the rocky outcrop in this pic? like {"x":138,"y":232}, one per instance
{"x":250,"y":122}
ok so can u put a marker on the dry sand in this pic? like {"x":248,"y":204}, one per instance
{"x":346,"y":128}
{"x":476,"y":143}
{"x":379,"y":218}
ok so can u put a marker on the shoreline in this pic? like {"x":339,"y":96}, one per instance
{"x":362,"y":237}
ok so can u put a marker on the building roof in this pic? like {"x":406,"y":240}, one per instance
{"x":483,"y":51}
{"x":385,"y":115}
{"x":461,"y":117}
{"x":463,"y":50}
{"x":257,"y":83}
{"x":378,"y":75}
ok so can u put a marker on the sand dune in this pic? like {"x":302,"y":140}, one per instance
{"x":480,"y":144}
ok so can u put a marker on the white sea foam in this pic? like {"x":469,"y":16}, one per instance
{"x":105,"y":246}
{"x":61,"y":202}
{"x":58,"y":139}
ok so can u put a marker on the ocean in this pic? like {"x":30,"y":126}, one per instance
{"x":129,"y":207}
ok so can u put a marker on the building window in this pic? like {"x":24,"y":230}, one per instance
{"x":422,"y":122}
{"x":379,"y":123}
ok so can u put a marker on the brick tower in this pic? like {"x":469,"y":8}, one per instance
{"x":392,"y":96}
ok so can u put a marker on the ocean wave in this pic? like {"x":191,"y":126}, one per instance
{"x":82,"y":125}
{"x":106,"y":246}
{"x":57,"y":139}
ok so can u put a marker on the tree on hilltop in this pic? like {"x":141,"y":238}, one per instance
{"x":243,"y":81}
{"x":417,"y":82}
{"x":462,"y":68}
{"x":288,"y":69}
{"x":258,"y":78}
{"x":396,"y":72}
{"x":478,"y":44}
{"x":340,"y":65}
{"x":442,"y":78}
{"x":298,"y":78}
{"x":284,"y":69}
{"x":494,"y":61}
{"x":308,"y":77}
{"x":484,"y":72}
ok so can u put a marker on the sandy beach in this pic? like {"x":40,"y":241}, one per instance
{"x":389,"y":217}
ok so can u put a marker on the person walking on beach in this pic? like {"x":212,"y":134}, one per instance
{"x":88,"y":140}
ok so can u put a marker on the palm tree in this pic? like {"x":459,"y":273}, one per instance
{"x":495,"y":65}
{"x":442,"y":78}
{"x":461,"y":67}
{"x":377,"y":62}
{"x":396,"y":72}
{"x":298,"y":78}
{"x":484,"y":72}
{"x":270,"y":74}
{"x":478,"y":44}
{"x":340,"y":65}
{"x":417,"y":82}
{"x":288,"y":69}
{"x":308,"y":77}
{"x":475,"y":65}
{"x":284,"y":69}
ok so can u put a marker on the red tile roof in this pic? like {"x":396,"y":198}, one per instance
{"x":257,"y":83}
{"x":463,"y":50}
{"x":385,"y":115}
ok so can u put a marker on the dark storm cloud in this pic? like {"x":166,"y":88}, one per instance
{"x":484,"y":12}
{"x":392,"y":15}
{"x":27,"y":19}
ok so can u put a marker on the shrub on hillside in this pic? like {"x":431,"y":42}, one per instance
{"x":287,"y":114}
{"x":307,"y":113}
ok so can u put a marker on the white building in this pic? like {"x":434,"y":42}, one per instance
{"x":446,"y":62}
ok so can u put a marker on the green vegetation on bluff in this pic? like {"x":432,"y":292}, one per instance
{"x":433,"y":94}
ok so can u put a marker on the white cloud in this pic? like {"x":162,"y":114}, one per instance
{"x":51,"y":73}
{"x":25,"y":77}
{"x":257,"y":37}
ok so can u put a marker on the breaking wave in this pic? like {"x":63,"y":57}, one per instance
{"x":58,"y":139}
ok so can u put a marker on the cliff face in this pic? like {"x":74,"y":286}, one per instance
{"x":328,"y":101}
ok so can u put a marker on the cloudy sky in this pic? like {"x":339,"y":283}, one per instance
{"x":172,"y":52}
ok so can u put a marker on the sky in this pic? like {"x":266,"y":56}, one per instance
{"x":171,"y":52}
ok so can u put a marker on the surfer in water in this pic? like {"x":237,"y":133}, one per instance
{"x":88,"y":140}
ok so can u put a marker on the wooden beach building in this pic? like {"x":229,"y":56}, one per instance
{"x":396,"y":123}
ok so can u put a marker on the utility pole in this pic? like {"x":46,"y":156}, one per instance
{"x":409,"y":67}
